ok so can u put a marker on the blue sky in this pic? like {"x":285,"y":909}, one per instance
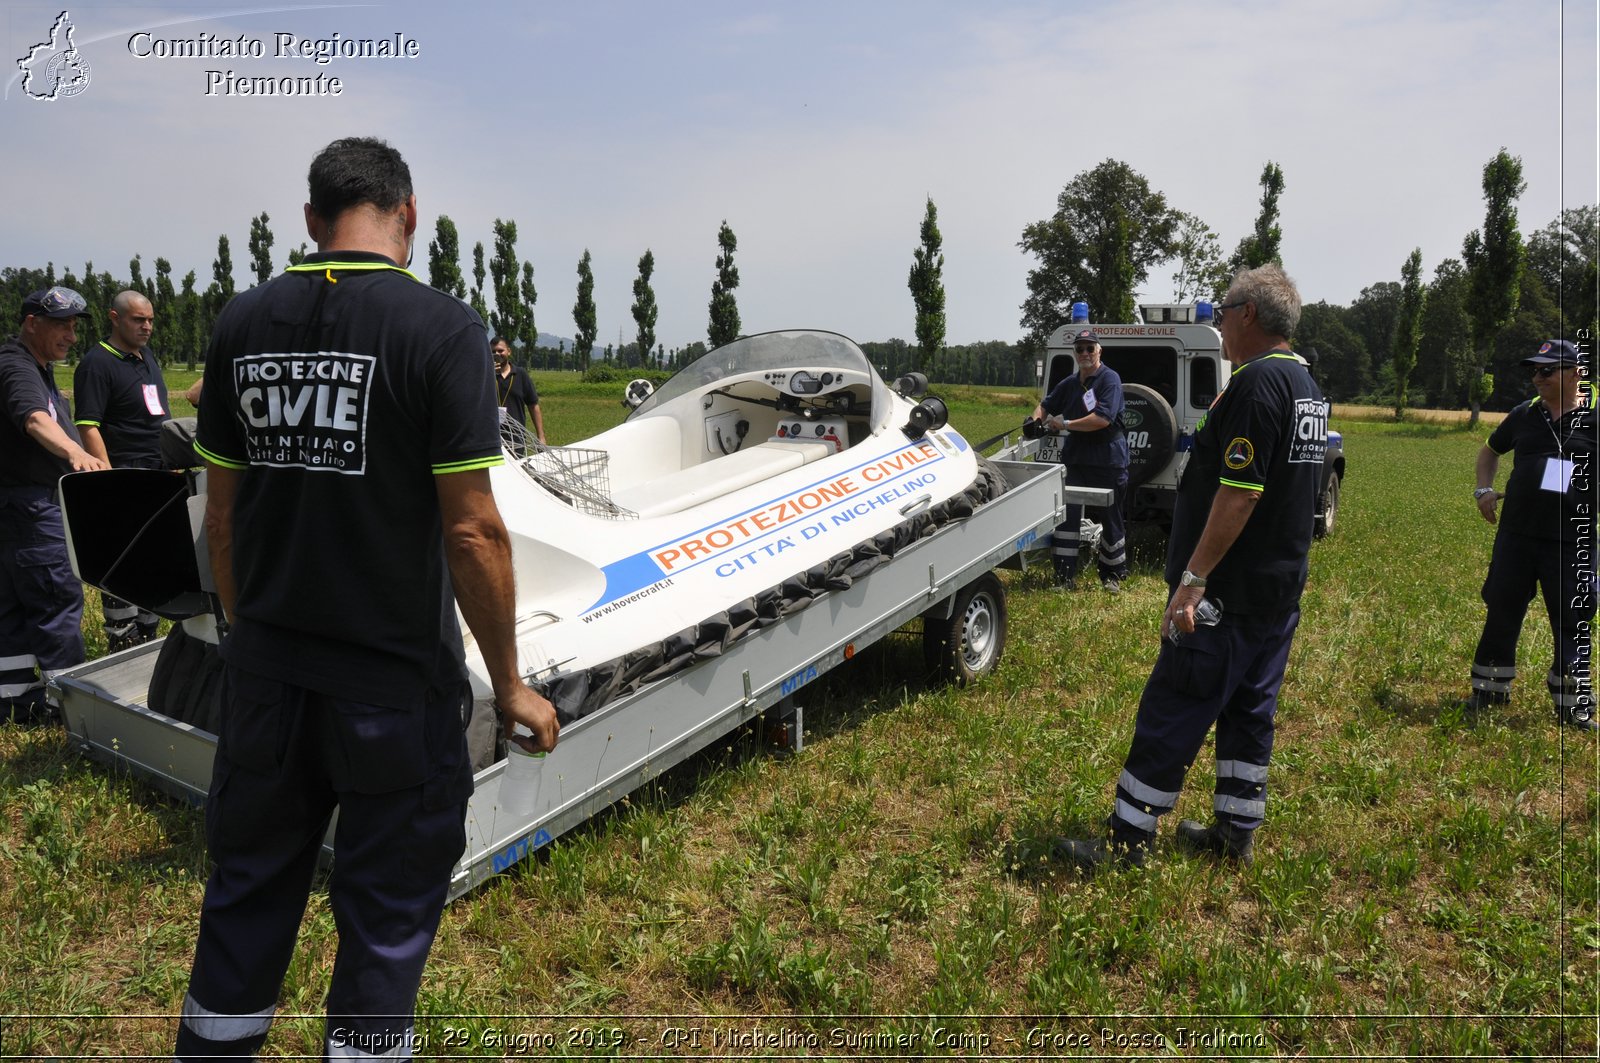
{"x":817,"y":130}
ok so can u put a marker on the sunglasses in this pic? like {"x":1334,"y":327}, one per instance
{"x":58,"y":299}
{"x":1545,"y":372}
{"x":1225,"y":307}
{"x":1083,"y":348}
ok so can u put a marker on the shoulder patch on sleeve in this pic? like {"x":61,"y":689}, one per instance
{"x":1240,"y":453}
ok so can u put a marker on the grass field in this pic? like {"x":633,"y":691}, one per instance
{"x":1423,"y":887}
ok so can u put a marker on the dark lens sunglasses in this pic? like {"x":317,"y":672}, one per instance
{"x":1545,"y":372}
{"x":1083,"y":348}
{"x":1225,"y":307}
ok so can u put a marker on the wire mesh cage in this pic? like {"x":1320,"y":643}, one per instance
{"x":578,"y":476}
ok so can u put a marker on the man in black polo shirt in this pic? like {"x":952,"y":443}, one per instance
{"x":514,"y":390}
{"x":1545,"y":538}
{"x":41,"y":601}
{"x":1241,"y":530}
{"x":1088,"y":405}
{"x":122,"y":402}
{"x":348,"y":427}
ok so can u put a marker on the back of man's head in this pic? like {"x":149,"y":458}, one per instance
{"x":357,"y":170}
{"x":1275,"y":295}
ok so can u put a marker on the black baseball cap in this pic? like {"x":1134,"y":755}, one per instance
{"x":57,"y":302}
{"x":1555,"y":352}
{"x":1086,"y":336}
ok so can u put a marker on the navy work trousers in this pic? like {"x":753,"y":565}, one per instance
{"x":1564,"y":572}
{"x":41,"y":601}
{"x":1113,"y":552}
{"x":285,"y":758}
{"x":1228,"y":675}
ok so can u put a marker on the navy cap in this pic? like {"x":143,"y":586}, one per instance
{"x":57,"y":302}
{"x":1086,"y":336}
{"x":1555,"y":352}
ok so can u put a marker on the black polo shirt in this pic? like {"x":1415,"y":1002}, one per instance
{"x":517,"y":394}
{"x":1074,"y":398}
{"x":125,"y":397}
{"x":1552,"y":473}
{"x":26,"y":387}
{"x":1266,"y":432}
{"x":341,"y":389}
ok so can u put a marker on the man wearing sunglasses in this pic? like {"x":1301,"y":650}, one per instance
{"x":122,"y":403}
{"x":1544,"y":537}
{"x":41,"y":601}
{"x":1087,"y":405}
{"x":1236,"y":564}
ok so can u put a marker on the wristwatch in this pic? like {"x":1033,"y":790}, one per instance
{"x":1189,"y":579}
{"x":1481,"y":491}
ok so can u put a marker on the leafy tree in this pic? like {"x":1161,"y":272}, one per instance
{"x":444,"y":259}
{"x":1070,"y":246}
{"x":530,"y":332}
{"x":644,"y":304}
{"x":222,"y":288}
{"x":1262,"y":245}
{"x":1201,"y":272}
{"x":1493,"y":257}
{"x":191,"y":318}
{"x":136,"y":281}
{"x":1408,"y":335}
{"x":926,"y":282}
{"x":506,"y":319}
{"x":165,"y":301}
{"x":1375,"y":315}
{"x":1445,"y":356}
{"x":1563,"y":256}
{"x":1116,"y":265}
{"x":478,"y":302}
{"x":724,"y":326}
{"x":1340,"y":354}
{"x":297,"y":255}
{"x":261,"y":248}
{"x":583,"y":314}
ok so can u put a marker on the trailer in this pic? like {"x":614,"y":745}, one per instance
{"x":947,"y":579}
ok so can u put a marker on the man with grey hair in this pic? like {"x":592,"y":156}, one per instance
{"x":122,"y":402}
{"x":1236,"y":564}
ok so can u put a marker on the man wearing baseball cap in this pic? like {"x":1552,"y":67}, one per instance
{"x":41,"y":601}
{"x":1544,"y":537}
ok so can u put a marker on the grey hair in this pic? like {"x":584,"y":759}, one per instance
{"x":1276,"y":298}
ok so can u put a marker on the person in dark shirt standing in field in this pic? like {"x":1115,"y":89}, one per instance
{"x":1545,"y":536}
{"x":1236,"y":565}
{"x":348,"y":428}
{"x":41,"y":601}
{"x":514,"y":390}
{"x":122,"y":403}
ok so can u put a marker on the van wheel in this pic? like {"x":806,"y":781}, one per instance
{"x":968,"y":643}
{"x":1328,"y":511}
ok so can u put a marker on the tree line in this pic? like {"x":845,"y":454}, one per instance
{"x":1450,"y":341}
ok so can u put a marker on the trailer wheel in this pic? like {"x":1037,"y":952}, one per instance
{"x":968,"y":643}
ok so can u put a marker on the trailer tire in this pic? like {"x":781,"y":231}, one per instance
{"x":968,"y":643}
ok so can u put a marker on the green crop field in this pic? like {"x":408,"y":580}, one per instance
{"x":1424,"y":886}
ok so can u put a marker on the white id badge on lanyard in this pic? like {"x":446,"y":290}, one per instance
{"x":1557,"y":475}
{"x":152,"y":399}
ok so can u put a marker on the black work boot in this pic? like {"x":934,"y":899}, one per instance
{"x":1221,"y":839}
{"x":1580,"y":716}
{"x":1478,"y":700}
{"x":1093,"y":855}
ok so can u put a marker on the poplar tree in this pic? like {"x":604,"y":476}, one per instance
{"x":444,"y":259}
{"x":926,"y":282}
{"x":1265,"y":243}
{"x":507,"y":316}
{"x":724,"y":325}
{"x":261,"y":248}
{"x":1408,"y":331}
{"x":530,"y":331}
{"x":644,"y":305}
{"x":478,"y":303}
{"x":166,"y":309}
{"x":583,"y":314}
{"x":1493,"y":258}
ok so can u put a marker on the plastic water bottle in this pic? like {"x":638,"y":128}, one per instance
{"x":519,"y":782}
{"x":1207,"y":613}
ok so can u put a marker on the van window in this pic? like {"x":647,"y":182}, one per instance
{"x":1156,"y":367}
{"x":1202,"y":382}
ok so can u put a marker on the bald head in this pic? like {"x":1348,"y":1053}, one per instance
{"x":132,"y":321}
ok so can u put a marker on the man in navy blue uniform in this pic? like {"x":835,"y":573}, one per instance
{"x":348,"y":426}
{"x":514,"y":389}
{"x":122,"y":403}
{"x":1241,"y":531}
{"x":41,"y":601}
{"x":1545,"y":535}
{"x":1088,"y":406}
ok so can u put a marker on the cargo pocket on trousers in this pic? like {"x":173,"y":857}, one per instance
{"x":449,"y":766}
{"x":379,"y":749}
{"x":1195,"y":671}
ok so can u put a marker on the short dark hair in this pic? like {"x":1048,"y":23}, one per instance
{"x":500,"y":339}
{"x":357,"y":170}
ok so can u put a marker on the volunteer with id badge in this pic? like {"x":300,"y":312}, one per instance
{"x":1544,"y":537}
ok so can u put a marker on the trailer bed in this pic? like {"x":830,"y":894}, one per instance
{"x":608,"y":754}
